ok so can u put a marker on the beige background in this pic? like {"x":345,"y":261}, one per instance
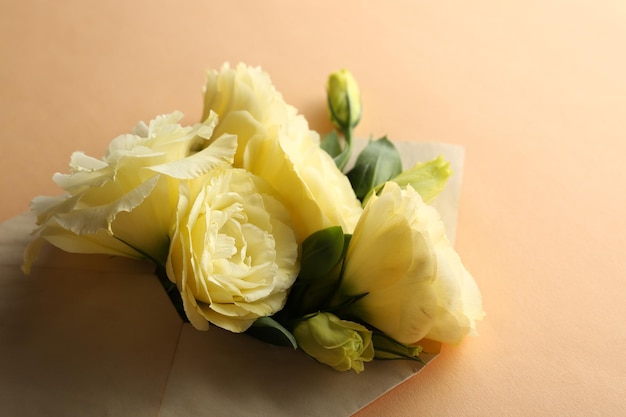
{"x":534,"y":91}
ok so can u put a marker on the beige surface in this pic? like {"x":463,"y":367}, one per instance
{"x":96,"y":336}
{"x":534,"y":91}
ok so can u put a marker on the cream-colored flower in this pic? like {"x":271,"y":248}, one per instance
{"x":275,"y":143}
{"x":123,"y":204}
{"x":233,"y":254}
{"x":415,"y":282}
{"x":342,"y":344}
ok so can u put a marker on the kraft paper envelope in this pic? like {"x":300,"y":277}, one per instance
{"x":94,"y":335}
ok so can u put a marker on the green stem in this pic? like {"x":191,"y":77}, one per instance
{"x":139,"y":251}
{"x":161,"y":273}
{"x":342,"y":159}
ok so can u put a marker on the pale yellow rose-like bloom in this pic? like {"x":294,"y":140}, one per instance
{"x":124,"y":203}
{"x":233,"y":253}
{"x":415,"y":282}
{"x":338,"y":343}
{"x":275,"y":143}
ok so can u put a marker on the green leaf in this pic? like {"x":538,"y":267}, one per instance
{"x":321,"y":251}
{"x":270,"y":331}
{"x":320,"y":275}
{"x":331,"y":144}
{"x":387,"y":348}
{"x":341,"y":302}
{"x":427,"y":178}
{"x":342,"y":159}
{"x":377,"y":163}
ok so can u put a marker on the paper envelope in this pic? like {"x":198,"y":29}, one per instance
{"x":94,"y":335}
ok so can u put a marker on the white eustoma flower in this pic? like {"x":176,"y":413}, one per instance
{"x":124,"y":203}
{"x":275,"y":143}
{"x":233,"y":253}
{"x":415,"y":282}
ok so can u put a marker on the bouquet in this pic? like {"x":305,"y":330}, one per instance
{"x":258,"y":226}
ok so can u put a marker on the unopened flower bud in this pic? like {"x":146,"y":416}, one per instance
{"x":344,"y":100}
{"x":338,"y":343}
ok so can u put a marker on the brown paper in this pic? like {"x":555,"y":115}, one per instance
{"x":94,"y":335}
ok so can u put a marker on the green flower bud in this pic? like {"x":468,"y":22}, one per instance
{"x":342,"y":344}
{"x":344,"y":100}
